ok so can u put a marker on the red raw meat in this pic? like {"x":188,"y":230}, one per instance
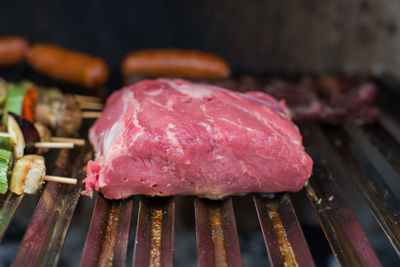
{"x":327,"y":98}
{"x":166,"y":137}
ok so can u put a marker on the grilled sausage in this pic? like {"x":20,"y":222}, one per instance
{"x":69,"y":66}
{"x":175,"y":62}
{"x":12,"y":49}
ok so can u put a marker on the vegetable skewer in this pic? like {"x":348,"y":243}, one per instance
{"x":28,"y":172}
{"x":49,"y":106}
{"x":24,"y":136}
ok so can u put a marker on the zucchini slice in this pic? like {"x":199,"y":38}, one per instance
{"x":29,"y":132}
{"x":17,"y":137}
{"x":5,"y":159}
{"x":5,"y":141}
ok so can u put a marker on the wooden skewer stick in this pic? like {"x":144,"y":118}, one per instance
{"x":54,"y":145}
{"x":87,"y":98}
{"x":4,"y":134}
{"x":91,"y":105}
{"x":59,"y":179}
{"x":91,"y":114}
{"x":75,"y":141}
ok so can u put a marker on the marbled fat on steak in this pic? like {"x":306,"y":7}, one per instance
{"x":167,"y":137}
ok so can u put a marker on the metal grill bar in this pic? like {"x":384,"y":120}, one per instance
{"x":384,"y":205}
{"x":46,"y":233}
{"x":282,"y":232}
{"x":217,"y":237}
{"x":384,"y":142}
{"x":154,"y":244}
{"x":365,"y":151}
{"x":390,"y":124}
{"x":9,"y":204}
{"x":341,"y":228}
{"x":107,"y":240}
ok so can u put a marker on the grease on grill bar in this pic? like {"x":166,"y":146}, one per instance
{"x":283,"y":236}
{"x":107,"y":240}
{"x":154,"y":244}
{"x":217,"y":238}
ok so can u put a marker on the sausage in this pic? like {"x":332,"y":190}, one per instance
{"x":175,"y":62}
{"x":12,"y":50}
{"x":68,"y":66}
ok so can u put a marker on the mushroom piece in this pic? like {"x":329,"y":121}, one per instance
{"x":63,"y":114}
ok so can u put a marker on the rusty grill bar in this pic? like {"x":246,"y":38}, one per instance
{"x":356,"y":154}
{"x":154,"y":244}
{"x":217,"y":238}
{"x":282,"y":232}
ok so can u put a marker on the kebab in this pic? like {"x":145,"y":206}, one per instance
{"x":47,"y":107}
{"x":26,"y":138}
{"x":28,"y":171}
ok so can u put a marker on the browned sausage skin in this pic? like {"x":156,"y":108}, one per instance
{"x":12,"y":50}
{"x":175,"y":62}
{"x":67,"y":65}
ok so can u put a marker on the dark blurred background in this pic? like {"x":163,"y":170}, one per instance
{"x":259,"y":37}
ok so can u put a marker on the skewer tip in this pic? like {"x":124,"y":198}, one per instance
{"x":75,"y":141}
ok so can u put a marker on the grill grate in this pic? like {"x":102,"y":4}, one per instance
{"x":354,"y":153}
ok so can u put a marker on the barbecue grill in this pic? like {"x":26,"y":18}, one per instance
{"x":356,"y":154}
{"x":274,"y":37}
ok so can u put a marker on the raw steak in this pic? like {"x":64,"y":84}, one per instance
{"x":167,"y":137}
{"x":328,"y":98}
